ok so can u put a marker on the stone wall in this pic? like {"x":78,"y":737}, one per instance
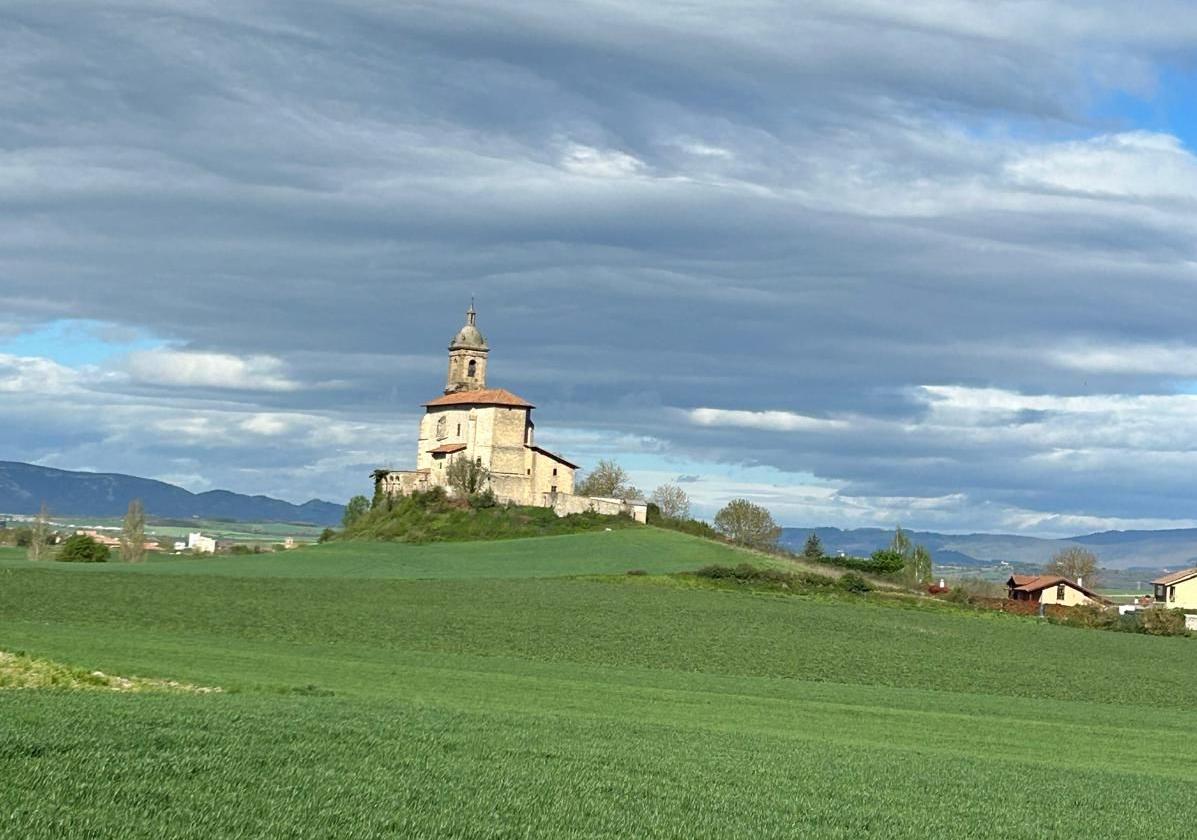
{"x":563,"y":504}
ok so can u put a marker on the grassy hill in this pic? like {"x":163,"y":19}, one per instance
{"x":531,"y":688}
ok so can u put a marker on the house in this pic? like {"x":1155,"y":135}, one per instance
{"x":1177,"y":590}
{"x":1051,"y":589}
{"x":200,"y":544}
{"x":492,"y":428}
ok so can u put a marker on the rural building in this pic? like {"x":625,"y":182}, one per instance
{"x":493,"y":428}
{"x":1177,"y":590}
{"x":1051,"y":589}
{"x":200,"y":544}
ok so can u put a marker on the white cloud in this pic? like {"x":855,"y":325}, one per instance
{"x":1164,"y":359}
{"x":190,"y":369}
{"x":36,"y":375}
{"x":600,"y":163}
{"x":775,"y":421}
{"x":1138,"y":164}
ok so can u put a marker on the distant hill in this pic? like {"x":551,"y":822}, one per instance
{"x":24,"y":487}
{"x":1172,"y":549}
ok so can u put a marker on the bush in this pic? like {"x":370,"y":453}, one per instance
{"x":83,"y":549}
{"x":746,"y":573}
{"x":1160,"y":621}
{"x":882,"y":562}
{"x":1090,"y":616}
{"x":636,"y":572}
{"x":852,"y":582}
{"x":327,"y":535}
{"x":484,"y":499}
{"x":434,"y":517}
{"x":693,"y":527}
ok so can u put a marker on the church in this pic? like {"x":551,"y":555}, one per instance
{"x":492,"y":427}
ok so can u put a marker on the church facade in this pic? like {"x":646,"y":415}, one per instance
{"x":493,"y":428}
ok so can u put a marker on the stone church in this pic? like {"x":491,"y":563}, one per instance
{"x":494,"y":428}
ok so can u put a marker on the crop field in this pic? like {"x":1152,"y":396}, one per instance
{"x":530,"y":688}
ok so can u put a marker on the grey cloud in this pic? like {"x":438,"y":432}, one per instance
{"x":815,"y":213}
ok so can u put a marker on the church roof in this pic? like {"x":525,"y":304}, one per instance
{"x":485,"y":396}
{"x":554,"y":456}
{"x":469,"y":337}
{"x":448,"y":449}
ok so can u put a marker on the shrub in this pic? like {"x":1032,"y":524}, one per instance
{"x":1091,"y":616}
{"x":327,"y":535}
{"x":746,"y":573}
{"x":1160,"y":621}
{"x":83,"y":549}
{"x":484,"y":499}
{"x":852,"y":582}
{"x":636,"y":572}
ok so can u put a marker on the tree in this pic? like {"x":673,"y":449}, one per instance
{"x":357,"y":508}
{"x":1074,"y":563}
{"x":82,"y":549}
{"x":748,"y":524}
{"x":133,"y":533}
{"x":467,"y":477}
{"x":672,"y":501}
{"x":608,"y":480}
{"x":39,"y":535}
{"x":919,"y":566}
{"x":813,"y":550}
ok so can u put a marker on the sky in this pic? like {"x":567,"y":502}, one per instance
{"x":861,"y":262}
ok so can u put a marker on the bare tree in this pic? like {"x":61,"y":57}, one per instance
{"x":39,"y":535}
{"x":1074,"y":563}
{"x":608,"y":480}
{"x":133,"y":533}
{"x":748,"y":524}
{"x":672,"y":501}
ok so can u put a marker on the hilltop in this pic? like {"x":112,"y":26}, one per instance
{"x":25,"y":487}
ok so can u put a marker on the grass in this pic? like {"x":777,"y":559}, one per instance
{"x":505,"y":698}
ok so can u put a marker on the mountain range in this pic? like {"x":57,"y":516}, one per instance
{"x":1170,"y":549}
{"x":25,"y":487}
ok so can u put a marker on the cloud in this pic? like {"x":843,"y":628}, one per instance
{"x":189,"y":369}
{"x":778,"y":421}
{"x":891,"y":251}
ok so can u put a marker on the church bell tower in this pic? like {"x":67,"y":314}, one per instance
{"x":467,"y":357}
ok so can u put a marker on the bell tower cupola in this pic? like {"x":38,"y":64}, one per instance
{"x":467,"y":357}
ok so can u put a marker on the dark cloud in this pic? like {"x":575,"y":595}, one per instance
{"x":814,"y":210}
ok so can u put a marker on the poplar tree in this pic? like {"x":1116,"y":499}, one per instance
{"x":39,"y":535}
{"x":133,"y":533}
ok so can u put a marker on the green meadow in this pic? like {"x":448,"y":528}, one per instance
{"x":531,"y":688}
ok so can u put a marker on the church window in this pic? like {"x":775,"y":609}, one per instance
{"x":554,"y":470}
{"x":459,"y":430}
{"x":472,"y":368}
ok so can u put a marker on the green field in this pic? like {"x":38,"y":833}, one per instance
{"x":529,"y":688}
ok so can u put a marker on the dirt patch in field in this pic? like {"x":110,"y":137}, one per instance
{"x":20,"y":671}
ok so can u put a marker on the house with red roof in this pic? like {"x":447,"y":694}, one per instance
{"x":1051,"y":589}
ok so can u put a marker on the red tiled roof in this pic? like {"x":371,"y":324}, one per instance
{"x":554,"y":456}
{"x":448,"y":449}
{"x":486,"y":396}
{"x":1176,"y":577}
{"x":1037,"y":583}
